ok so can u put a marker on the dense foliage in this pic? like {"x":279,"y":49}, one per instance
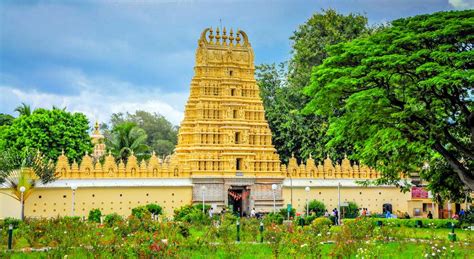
{"x":316,"y":207}
{"x":351,"y":210}
{"x":126,"y":139}
{"x":403,"y":97}
{"x":50,"y":132}
{"x":161,"y":135}
{"x":94,"y":215}
{"x":294,"y":132}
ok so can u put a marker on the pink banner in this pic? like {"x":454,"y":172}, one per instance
{"x":419,"y":193}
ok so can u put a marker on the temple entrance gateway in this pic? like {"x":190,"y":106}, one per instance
{"x":238,"y":200}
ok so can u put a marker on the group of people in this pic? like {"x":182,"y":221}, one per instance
{"x":334,"y":214}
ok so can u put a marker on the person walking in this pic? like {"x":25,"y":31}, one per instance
{"x":252,"y":213}
{"x":336,"y":216}
{"x":211,"y":212}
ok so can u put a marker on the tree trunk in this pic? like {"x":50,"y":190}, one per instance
{"x":464,"y":173}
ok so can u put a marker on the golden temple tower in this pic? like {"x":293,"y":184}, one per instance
{"x":224,"y":131}
{"x":98,"y":142}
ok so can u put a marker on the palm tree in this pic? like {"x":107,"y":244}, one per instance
{"x":127,"y":138}
{"x":20,"y":171}
{"x":23,"y":109}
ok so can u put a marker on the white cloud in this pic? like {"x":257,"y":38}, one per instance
{"x":462,"y":4}
{"x":99,"y":105}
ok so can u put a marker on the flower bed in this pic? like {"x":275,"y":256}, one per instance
{"x":412,"y":223}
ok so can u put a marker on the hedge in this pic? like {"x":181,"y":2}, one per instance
{"x":412,"y":223}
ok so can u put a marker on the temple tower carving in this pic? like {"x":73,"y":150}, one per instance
{"x":224,"y":131}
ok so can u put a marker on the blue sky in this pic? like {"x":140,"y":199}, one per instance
{"x":101,"y":57}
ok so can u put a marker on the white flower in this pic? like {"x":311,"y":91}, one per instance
{"x":433,"y":254}
{"x":444,"y":248}
{"x":65,"y":232}
{"x":319,"y":234}
{"x":164,"y":241}
{"x":426,"y":255}
{"x":303,"y":245}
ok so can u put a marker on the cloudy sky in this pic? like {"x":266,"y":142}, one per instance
{"x":102,"y":57}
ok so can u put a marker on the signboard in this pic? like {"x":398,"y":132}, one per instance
{"x":344,"y":204}
{"x":288,"y":207}
{"x":419,"y":193}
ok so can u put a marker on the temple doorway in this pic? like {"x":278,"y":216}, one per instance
{"x":238,"y":200}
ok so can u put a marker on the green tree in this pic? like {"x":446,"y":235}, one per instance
{"x":311,"y":39}
{"x":294,"y":132}
{"x":127,"y":138}
{"x":317,"y":207}
{"x":23,"y":110}
{"x":6,"y":119}
{"x":50,"y":132}
{"x":404,"y":97}
{"x":162,"y":136}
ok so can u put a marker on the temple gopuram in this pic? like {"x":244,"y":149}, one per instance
{"x":224,"y":156}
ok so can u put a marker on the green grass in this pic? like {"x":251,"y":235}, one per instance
{"x":257,"y":250}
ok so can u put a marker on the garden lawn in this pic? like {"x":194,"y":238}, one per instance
{"x":426,"y":233}
{"x":258,"y":250}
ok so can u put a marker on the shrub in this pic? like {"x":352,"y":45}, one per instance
{"x":309,"y":219}
{"x":94,"y":215}
{"x":317,"y":207}
{"x":412,"y":223}
{"x":141,"y":212}
{"x":14,"y":222}
{"x":320,"y":225}
{"x":180,"y":213}
{"x":154,"y":209}
{"x":183,"y":230}
{"x":189,"y":213}
{"x":275,"y":218}
{"x":351,"y":211}
{"x":284,"y":212}
{"x":111,"y":219}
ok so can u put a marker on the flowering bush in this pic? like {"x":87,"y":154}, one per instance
{"x":94,"y":215}
{"x":437,"y":249}
{"x":412,"y":223}
{"x":274,"y":234}
{"x":273,"y":218}
{"x":320,"y":226}
{"x":112,"y":219}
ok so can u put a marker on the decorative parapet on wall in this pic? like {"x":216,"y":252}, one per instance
{"x":153,"y":168}
{"x":169,"y":168}
{"x":328,"y":170}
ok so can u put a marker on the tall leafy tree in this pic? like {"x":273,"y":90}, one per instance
{"x":50,"y":132}
{"x":281,"y":87}
{"x":404,"y":97}
{"x":291,"y":134}
{"x":161,"y":134}
{"x":311,"y":39}
{"x":127,"y":138}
